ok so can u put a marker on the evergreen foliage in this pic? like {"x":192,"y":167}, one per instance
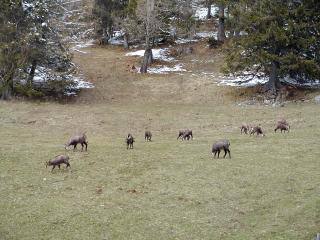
{"x":29,"y":41}
{"x":281,"y":39}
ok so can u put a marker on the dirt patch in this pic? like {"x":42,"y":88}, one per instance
{"x":110,"y":71}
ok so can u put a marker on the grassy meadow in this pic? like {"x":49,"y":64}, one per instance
{"x":164,"y":189}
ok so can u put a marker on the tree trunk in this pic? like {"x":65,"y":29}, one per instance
{"x":6,"y":92}
{"x":221,"y":29}
{"x":32,"y":72}
{"x":209,"y":9}
{"x":6,"y":87}
{"x":237,"y":33}
{"x":105,"y":36}
{"x":147,"y":60}
{"x":274,"y":83}
{"x":126,"y":41}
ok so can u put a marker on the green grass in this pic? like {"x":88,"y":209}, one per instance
{"x":165,"y":189}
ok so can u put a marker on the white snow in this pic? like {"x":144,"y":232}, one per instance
{"x":159,"y":54}
{"x":117,"y":38}
{"x":201,"y":12}
{"x":246,"y":80}
{"x":307,"y":83}
{"x":185,"y":40}
{"x":207,"y":34}
{"x":43,"y":74}
{"x":81,"y":84}
{"x":26,"y":6}
{"x":84,"y":44}
{"x":161,"y":69}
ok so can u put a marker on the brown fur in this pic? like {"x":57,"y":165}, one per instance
{"x":147,"y":136}
{"x":256,"y":130}
{"x":221,"y":145}
{"x":282,"y":127}
{"x":130,"y":141}
{"x":57,"y":161}
{"x":79,"y":139}
{"x":244,"y":128}
{"x":185,"y":134}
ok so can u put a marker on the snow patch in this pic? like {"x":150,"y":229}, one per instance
{"x":161,"y":69}
{"x":43,"y":74}
{"x":185,"y":40}
{"x":301,"y":82}
{"x":201,"y":12}
{"x":117,"y":38}
{"x":207,"y":35}
{"x":159,"y":54}
{"x":83,"y":45}
{"x":247,"y":80}
{"x":81,"y":84}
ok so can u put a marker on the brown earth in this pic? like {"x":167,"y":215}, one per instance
{"x":109,"y":70}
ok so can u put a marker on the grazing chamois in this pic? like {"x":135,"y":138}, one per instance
{"x":130,"y":141}
{"x":78,"y":139}
{"x":282,"y":127}
{"x":257,"y":130}
{"x":57,"y":161}
{"x":147,"y":136}
{"x":244,"y":128}
{"x":221,"y":145}
{"x":180,"y":134}
{"x":185,"y":134}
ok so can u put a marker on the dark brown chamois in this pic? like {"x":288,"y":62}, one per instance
{"x":282,"y":127}
{"x":147,"y":136}
{"x":75,"y":140}
{"x":129,"y":141}
{"x":244,"y":128}
{"x":284,"y":122}
{"x":57,"y":161}
{"x":221,"y":145}
{"x":180,"y":134}
{"x":257,"y":130}
{"x":187,"y":135}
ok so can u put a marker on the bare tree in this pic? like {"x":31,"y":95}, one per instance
{"x":153,"y":15}
{"x":221,"y":26}
{"x":147,"y":58}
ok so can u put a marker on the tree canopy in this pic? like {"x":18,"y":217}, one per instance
{"x":279,"y":39}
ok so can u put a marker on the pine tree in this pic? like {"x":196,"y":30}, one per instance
{"x":12,"y":38}
{"x":281,"y":39}
{"x":104,"y":13}
{"x":29,"y":39}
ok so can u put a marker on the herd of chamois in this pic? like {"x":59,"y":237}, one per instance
{"x":185,"y":134}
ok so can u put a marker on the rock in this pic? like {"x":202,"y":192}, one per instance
{"x":317,"y":99}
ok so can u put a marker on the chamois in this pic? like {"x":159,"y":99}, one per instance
{"x":244,"y":128}
{"x":282,"y":127}
{"x":257,"y":130}
{"x":185,"y":134}
{"x":147,"y":136}
{"x":75,"y":140}
{"x":60,"y":159}
{"x":129,"y":141}
{"x":221,"y":145}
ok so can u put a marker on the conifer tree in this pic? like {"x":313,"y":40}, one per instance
{"x":281,"y":39}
